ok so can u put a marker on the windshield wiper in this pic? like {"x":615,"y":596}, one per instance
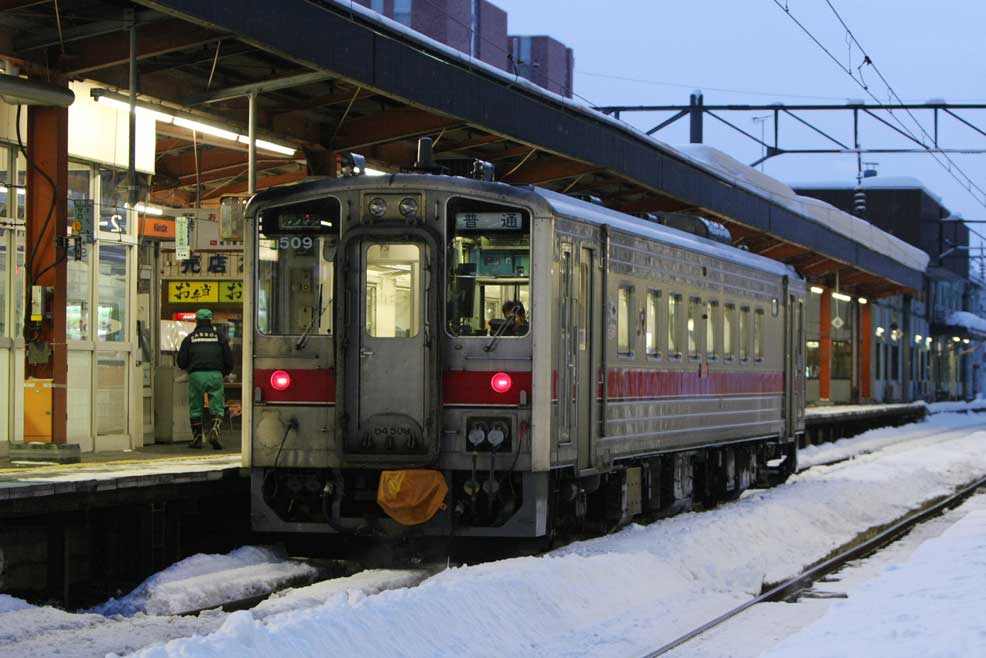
{"x":311,"y":325}
{"x":508,"y":322}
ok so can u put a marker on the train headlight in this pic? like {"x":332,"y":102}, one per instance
{"x":501,"y":382}
{"x":477,"y":434}
{"x":377,"y":207}
{"x":409,"y":207}
{"x":280,"y":380}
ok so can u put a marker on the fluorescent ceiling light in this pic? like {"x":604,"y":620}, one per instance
{"x":841,"y":297}
{"x":817,"y":290}
{"x":154,"y":114}
{"x":373,"y":172}
{"x":862,"y":300}
{"x":205,"y":128}
{"x":147,"y":210}
{"x":267,"y":146}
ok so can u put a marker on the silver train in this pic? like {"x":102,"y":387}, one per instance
{"x":451,"y":355}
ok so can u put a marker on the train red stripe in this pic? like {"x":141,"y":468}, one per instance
{"x":473,"y":387}
{"x":633,"y":383}
{"x":317,"y":386}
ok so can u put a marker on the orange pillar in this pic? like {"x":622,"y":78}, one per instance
{"x":865,"y":352}
{"x":825,"y":346}
{"x":47,"y":149}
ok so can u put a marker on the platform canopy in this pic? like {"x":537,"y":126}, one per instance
{"x":333,"y":77}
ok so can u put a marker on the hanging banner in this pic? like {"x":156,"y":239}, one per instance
{"x":182,"y":243}
{"x":193,"y":292}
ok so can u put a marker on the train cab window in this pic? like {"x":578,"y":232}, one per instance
{"x":711,"y":342}
{"x":674,"y":326}
{"x":728,"y":326}
{"x":744,"y":334}
{"x":758,"y":335}
{"x":624,"y":311}
{"x":295,"y":262}
{"x":693,"y":325}
{"x":392,"y":290}
{"x":488,"y":256}
{"x":651,"y":323}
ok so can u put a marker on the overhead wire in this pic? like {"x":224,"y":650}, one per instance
{"x":867,"y":60}
{"x":662,"y":83}
{"x":952,"y":167}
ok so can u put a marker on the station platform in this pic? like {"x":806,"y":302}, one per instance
{"x":825,"y":423}
{"x":25,"y":484}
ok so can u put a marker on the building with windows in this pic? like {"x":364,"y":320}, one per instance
{"x":479,"y":28}
{"x":928,"y":347}
{"x":544,"y":61}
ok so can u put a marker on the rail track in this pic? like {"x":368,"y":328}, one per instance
{"x":867,"y":544}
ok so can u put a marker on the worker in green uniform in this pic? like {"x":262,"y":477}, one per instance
{"x":206,"y":356}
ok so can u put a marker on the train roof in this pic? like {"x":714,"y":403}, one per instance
{"x":568,"y":206}
{"x":556,"y":202}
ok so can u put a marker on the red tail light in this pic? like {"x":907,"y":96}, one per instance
{"x":280,"y":380}
{"x":501,"y":382}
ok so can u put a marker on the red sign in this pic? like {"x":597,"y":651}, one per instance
{"x":188,"y":316}
{"x":156,"y":227}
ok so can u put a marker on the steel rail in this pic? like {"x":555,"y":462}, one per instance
{"x":828,"y":566}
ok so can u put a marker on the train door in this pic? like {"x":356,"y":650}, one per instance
{"x":586,"y":354}
{"x":389,"y":374}
{"x":795,"y":362}
{"x":568,"y":331}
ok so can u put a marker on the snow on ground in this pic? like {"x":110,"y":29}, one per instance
{"x":12,"y":603}
{"x":928,"y":606}
{"x":204,"y":581}
{"x":623,"y":594}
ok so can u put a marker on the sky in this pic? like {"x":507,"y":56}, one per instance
{"x":657,"y":52}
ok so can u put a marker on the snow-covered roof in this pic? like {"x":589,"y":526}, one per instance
{"x":871,"y":183}
{"x":967,"y":320}
{"x":703,"y":157}
{"x":815,"y":210}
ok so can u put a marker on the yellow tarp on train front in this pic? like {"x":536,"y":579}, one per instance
{"x":411,"y":496}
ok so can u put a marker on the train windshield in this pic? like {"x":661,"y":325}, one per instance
{"x":489,"y":268}
{"x":295,"y":262}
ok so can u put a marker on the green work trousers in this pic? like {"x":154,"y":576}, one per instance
{"x":200,"y":383}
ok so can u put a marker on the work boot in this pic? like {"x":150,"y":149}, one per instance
{"x":217,"y":425}
{"x":196,"y":434}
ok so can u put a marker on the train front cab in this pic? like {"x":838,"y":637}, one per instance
{"x":383,"y":355}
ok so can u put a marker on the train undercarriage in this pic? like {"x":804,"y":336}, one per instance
{"x":514,"y":504}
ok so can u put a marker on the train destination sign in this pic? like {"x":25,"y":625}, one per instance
{"x":489,"y":221}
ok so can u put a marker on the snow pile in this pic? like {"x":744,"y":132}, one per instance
{"x":978,"y":404}
{"x":12,"y":604}
{"x":967,"y":320}
{"x":623,"y":594}
{"x":203,"y":581}
{"x":928,"y":606}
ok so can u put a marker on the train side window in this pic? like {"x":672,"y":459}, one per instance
{"x":674,"y":326}
{"x":624,"y":311}
{"x":651,"y":327}
{"x":744,"y":333}
{"x":758,"y":334}
{"x":711,"y":340}
{"x":693,"y":325}
{"x":728,"y":326}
